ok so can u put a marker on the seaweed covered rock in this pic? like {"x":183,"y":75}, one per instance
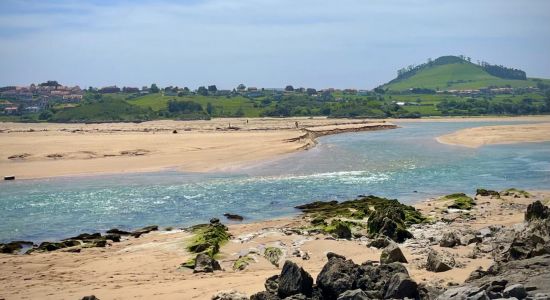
{"x":208,"y":238}
{"x":389,"y":222}
{"x":359,"y":208}
{"x":273,"y":255}
{"x":294,"y":280}
{"x":536,"y":210}
{"x":242,"y":263}
{"x":339,"y":229}
{"x":486,"y":193}
{"x":516,"y":193}
{"x":460,"y":201}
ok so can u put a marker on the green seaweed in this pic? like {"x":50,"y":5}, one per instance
{"x":340,"y":229}
{"x":460,"y":201}
{"x":190,"y":264}
{"x":241,"y":263}
{"x":273,"y":255}
{"x":208,"y":239}
{"x":516,"y":193}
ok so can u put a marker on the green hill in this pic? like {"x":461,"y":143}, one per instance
{"x":456,"y":73}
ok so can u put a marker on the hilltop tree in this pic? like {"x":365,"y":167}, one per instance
{"x":202,"y":91}
{"x":154,"y":88}
{"x":289,"y":88}
{"x":50,"y":83}
{"x":212,"y":88}
{"x":241,"y":87}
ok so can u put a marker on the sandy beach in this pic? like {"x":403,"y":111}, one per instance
{"x":47,"y":150}
{"x":148,"y":267}
{"x":504,"y":134}
{"x":42,"y":150}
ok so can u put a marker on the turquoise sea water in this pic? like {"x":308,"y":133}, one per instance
{"x":392,"y":163}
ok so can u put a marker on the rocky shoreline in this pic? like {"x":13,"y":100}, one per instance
{"x":491,"y":246}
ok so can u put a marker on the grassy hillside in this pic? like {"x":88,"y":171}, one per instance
{"x":104,"y":110}
{"x":456,"y":74}
{"x":223,"y":106}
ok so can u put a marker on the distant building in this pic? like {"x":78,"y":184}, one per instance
{"x":73,"y":98}
{"x":32,"y":109}
{"x":12,"y":110}
{"x":128,"y":89}
{"x":109,"y":89}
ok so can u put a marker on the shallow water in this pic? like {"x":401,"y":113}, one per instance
{"x":405,"y":163}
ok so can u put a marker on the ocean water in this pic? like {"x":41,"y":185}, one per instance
{"x":405,"y":163}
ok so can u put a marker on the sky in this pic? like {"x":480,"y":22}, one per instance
{"x":263,"y":43}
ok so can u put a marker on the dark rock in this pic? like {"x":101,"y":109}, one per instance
{"x":294,"y":280}
{"x":357,"y":294}
{"x":380,"y":242}
{"x":337,"y":276}
{"x":14,"y":247}
{"x":439,"y":261}
{"x":214,"y":221}
{"x":113,"y":237}
{"x":144,"y":230}
{"x":484,"y":192}
{"x":536,"y":210}
{"x":449,"y":239}
{"x":401,"y":286}
{"x":92,"y":297}
{"x":469,"y":238}
{"x":272,"y":284}
{"x":374,"y":279}
{"x":118,"y":231}
{"x":86,"y":236}
{"x":229,"y":295}
{"x":392,"y":253}
{"x":464,"y":293}
{"x":52,"y":246}
{"x":233,"y":217}
{"x":100,"y":243}
{"x":389,"y":222}
{"x":205,"y":264}
{"x":332,"y":254}
{"x":340,"y":229}
{"x":264,"y":296}
{"x":516,"y":291}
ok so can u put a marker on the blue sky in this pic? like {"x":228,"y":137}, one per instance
{"x":265,"y":43}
